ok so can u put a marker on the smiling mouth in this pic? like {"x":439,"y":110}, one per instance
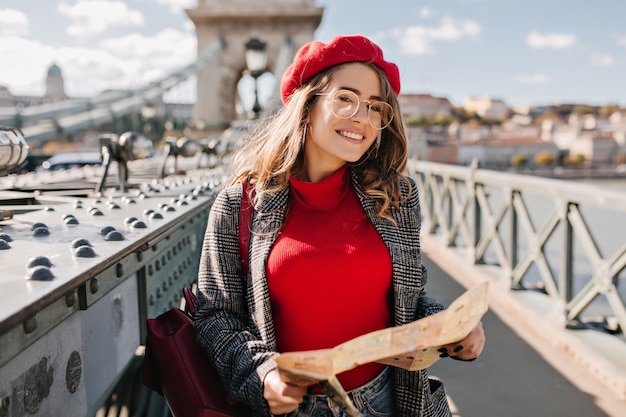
{"x":351,"y":135}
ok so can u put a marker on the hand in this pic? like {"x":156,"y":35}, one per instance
{"x":467,"y":349}
{"x":282,"y":397}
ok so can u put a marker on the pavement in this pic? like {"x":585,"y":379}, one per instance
{"x":532,"y":365}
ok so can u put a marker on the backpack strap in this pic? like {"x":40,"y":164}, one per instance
{"x":245,"y":223}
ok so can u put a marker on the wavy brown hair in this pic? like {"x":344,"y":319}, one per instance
{"x":273,"y":151}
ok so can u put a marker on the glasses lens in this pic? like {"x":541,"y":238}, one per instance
{"x":345,"y":104}
{"x":380,"y":114}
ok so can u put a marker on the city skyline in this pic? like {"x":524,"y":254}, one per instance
{"x":524,"y":53}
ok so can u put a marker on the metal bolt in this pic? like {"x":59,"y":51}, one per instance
{"x":70,"y":298}
{"x":94,"y":285}
{"x":30,"y":324}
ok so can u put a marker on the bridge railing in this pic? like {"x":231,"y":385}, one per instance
{"x":563,"y":238}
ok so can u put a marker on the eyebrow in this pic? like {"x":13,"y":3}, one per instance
{"x":358,"y":92}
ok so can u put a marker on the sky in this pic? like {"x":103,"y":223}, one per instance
{"x":532,"y":52}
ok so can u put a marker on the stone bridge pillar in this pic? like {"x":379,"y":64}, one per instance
{"x":237,"y":21}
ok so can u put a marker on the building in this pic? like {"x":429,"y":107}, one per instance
{"x":486,"y":107}
{"x":55,"y":92}
{"x":424,"y":105}
{"x":497,"y":154}
{"x":597,"y":150}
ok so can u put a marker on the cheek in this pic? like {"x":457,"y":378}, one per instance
{"x":321,"y":121}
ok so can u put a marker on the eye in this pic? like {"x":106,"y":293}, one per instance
{"x":376,"y":106}
{"x":345,"y":97}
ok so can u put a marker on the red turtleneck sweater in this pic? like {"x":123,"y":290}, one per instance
{"x":329,"y":272}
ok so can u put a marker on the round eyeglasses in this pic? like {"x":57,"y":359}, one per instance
{"x":345,"y":104}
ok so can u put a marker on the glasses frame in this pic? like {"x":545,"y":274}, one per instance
{"x":333,"y":95}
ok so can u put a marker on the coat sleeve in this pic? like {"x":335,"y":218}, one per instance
{"x":426,"y":305}
{"x":231,"y":341}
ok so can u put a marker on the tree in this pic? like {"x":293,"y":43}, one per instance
{"x":519,"y":160}
{"x":544,"y":159}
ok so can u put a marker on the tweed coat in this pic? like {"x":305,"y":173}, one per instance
{"x":234,"y":317}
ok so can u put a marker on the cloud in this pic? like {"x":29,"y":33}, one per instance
{"x":532,"y":79}
{"x":621,"y":40}
{"x":425,"y":12}
{"x":418,"y":40}
{"x":116,"y":63}
{"x":550,"y":40}
{"x":13,"y":23}
{"x":97,"y":16}
{"x":154,"y":56}
{"x":24,"y":73}
{"x":602,"y":60}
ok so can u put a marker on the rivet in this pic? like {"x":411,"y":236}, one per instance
{"x":129,"y":220}
{"x":94,"y":285}
{"x":71,"y":221}
{"x":106,"y":230}
{"x":79,"y":242}
{"x":41,"y":231}
{"x":85,"y":252}
{"x":40,"y":273}
{"x":39,"y":260}
{"x":119,"y":270}
{"x":151,"y":300}
{"x":6,"y":237}
{"x":70,"y":298}
{"x":114,"y":236}
{"x":138,"y":224}
{"x":36,"y":225}
{"x":30,"y":324}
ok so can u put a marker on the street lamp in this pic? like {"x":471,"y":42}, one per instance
{"x":256,"y":61}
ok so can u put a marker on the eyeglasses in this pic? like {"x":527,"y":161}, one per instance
{"x":345,"y":104}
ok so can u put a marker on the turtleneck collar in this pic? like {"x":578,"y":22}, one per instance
{"x":324,"y":194}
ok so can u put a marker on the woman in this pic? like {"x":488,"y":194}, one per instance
{"x":334,"y":249}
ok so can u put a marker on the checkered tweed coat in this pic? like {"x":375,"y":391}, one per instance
{"x":234,"y":318}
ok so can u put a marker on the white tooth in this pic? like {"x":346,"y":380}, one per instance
{"x":352,"y":135}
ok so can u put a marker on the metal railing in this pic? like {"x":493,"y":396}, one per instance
{"x":563,"y":238}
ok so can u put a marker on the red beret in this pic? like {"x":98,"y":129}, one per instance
{"x":314,"y":57}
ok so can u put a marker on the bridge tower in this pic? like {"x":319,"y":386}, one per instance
{"x":238,"y":21}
